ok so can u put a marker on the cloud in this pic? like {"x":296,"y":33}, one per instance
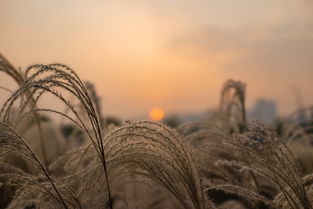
{"x":270,"y":59}
{"x":282,"y":47}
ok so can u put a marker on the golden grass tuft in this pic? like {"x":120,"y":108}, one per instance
{"x":224,"y":162}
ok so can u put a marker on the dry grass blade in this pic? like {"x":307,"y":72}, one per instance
{"x":10,"y":141}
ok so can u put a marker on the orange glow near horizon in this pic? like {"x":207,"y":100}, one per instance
{"x":156,"y":113}
{"x":140,"y":54}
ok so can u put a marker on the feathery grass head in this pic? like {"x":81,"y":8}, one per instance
{"x":232,"y":105}
{"x":8,"y":68}
{"x":142,"y":150}
{"x":53,"y":79}
{"x":277,"y":164}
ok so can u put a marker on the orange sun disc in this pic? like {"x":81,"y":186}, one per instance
{"x":156,"y":113}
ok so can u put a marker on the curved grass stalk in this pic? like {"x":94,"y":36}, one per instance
{"x":48,"y":77}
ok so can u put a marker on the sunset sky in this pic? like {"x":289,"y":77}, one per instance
{"x":172,"y":54}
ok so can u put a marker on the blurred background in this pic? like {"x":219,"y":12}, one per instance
{"x":169,"y":56}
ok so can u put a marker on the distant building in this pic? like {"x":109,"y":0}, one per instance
{"x":264,"y":111}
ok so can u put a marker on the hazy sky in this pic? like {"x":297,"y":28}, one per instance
{"x":174,"y":54}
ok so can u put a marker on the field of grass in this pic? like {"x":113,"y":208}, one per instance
{"x":87,"y":163}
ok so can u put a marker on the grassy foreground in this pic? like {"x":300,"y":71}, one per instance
{"x":83,"y":162}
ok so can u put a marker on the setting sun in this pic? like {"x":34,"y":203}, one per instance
{"x":156,"y":113}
